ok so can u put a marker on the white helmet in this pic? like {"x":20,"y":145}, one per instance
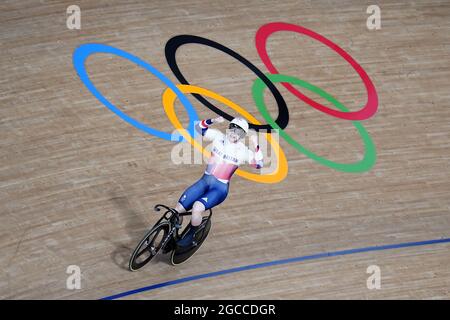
{"x":240,"y":122}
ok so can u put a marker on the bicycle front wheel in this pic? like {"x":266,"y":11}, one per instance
{"x":149,"y":246}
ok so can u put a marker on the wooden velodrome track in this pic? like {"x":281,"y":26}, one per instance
{"x":77,"y":183}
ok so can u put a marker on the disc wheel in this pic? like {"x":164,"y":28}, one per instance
{"x":149,"y":246}
{"x":180,"y":255}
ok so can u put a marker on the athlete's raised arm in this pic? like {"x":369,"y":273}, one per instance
{"x":202,"y":127}
{"x":256,"y":158}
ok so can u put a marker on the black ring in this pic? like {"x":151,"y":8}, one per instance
{"x":170,"y":50}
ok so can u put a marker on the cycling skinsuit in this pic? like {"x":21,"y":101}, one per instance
{"x":226,"y":157}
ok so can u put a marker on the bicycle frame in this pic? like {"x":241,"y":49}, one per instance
{"x":173,"y":217}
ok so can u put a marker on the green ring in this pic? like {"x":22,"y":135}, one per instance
{"x":369,"y":153}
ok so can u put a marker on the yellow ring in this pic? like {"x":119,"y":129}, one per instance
{"x":168,"y":100}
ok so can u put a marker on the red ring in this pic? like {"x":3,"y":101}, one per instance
{"x":372,"y":98}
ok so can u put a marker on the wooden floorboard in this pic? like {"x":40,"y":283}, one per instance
{"x":77,"y":184}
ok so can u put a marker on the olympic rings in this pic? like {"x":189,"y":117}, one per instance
{"x":171,"y":48}
{"x":372,"y":99}
{"x":168,"y":102}
{"x":173,"y":91}
{"x":84,"y":51}
{"x":370,"y":154}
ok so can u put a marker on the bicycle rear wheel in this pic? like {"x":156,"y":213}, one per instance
{"x":181,"y":255}
{"x":149,"y":246}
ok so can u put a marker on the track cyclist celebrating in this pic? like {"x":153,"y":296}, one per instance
{"x":227,"y":154}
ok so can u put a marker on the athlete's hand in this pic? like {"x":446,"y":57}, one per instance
{"x":218,"y":120}
{"x":253,"y":138}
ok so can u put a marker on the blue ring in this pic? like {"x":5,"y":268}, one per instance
{"x":84,"y":51}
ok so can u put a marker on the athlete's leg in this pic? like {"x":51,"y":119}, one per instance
{"x":216,"y":194}
{"x":211,"y":198}
{"x":191,"y":194}
{"x":196,"y":219}
{"x":179,"y":207}
{"x":197,"y":209}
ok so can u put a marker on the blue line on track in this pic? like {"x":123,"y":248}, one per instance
{"x":275,"y":263}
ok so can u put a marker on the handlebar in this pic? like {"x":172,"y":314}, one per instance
{"x":188,"y":213}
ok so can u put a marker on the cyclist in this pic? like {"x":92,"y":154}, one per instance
{"x":227,"y":154}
